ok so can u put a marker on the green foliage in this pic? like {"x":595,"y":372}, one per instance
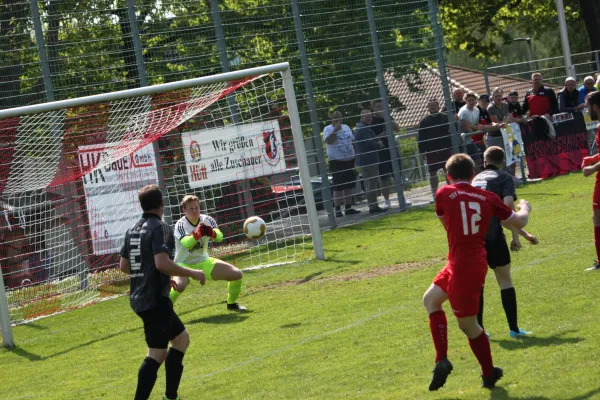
{"x":485,"y":30}
{"x":90,"y":47}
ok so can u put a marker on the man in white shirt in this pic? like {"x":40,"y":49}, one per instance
{"x":468,"y":117}
{"x":340,"y":151}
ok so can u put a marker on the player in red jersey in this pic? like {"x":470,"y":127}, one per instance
{"x":466,"y":213}
{"x":590,"y":166}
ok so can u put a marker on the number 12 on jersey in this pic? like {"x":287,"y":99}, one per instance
{"x":475,"y":217}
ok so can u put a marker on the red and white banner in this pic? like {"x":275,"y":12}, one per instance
{"x":111,"y":192}
{"x":233,"y":153}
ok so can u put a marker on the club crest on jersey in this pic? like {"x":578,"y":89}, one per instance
{"x":271,"y":149}
{"x":195,"y":150}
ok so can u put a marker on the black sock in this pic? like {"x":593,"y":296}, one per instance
{"x":509,"y":302}
{"x":480,"y":313}
{"x":338,"y":208}
{"x":174,"y":370}
{"x":347,"y":206}
{"x":146,"y":378}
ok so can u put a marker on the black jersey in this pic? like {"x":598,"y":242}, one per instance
{"x":149,"y":236}
{"x":500,"y":183}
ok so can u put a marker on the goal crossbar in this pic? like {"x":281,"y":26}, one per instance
{"x":142,"y":91}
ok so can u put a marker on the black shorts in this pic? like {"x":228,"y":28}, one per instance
{"x":161,"y":324}
{"x":436,"y":160}
{"x":343,"y":173}
{"x":498,"y":253}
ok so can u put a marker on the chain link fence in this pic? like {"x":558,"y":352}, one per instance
{"x":344,"y":55}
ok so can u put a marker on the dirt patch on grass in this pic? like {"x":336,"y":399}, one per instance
{"x":387,"y":270}
{"x":381,"y":271}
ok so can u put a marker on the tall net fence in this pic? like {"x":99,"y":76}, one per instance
{"x":344,"y":56}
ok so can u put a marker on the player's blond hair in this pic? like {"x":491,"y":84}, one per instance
{"x":187,"y":199}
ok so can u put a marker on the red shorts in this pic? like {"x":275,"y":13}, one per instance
{"x":596,"y":196}
{"x":463,"y":289}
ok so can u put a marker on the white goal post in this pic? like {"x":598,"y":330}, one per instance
{"x":44,"y":139}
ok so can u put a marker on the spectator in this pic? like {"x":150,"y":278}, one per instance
{"x":500,"y":113}
{"x":568,"y":97}
{"x":541,"y":100}
{"x":367,"y":158}
{"x":458,"y":101}
{"x":385,"y":161}
{"x":498,"y":110}
{"x":468,"y":117}
{"x":485,"y":121}
{"x":340,"y":152}
{"x":435,"y":142}
{"x":587,"y":87}
{"x":514,"y":107}
{"x":488,"y":125}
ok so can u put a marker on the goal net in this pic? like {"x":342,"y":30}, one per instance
{"x":70,"y":172}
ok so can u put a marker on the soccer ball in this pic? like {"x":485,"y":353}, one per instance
{"x":255,"y":228}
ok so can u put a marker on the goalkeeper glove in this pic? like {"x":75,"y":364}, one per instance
{"x":197,"y":233}
{"x":207,"y":230}
{"x":204,"y":230}
{"x":587,"y":161}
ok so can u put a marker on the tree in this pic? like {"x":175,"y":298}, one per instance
{"x":481,"y":28}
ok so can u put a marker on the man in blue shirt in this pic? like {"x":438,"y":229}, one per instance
{"x":587,"y":87}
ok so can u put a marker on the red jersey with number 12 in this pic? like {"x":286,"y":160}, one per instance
{"x":467,"y":212}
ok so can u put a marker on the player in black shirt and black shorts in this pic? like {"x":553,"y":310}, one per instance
{"x":147,"y":256}
{"x":501,"y":183}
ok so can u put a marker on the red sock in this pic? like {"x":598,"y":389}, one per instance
{"x":439,"y":332}
{"x":597,"y":241}
{"x":481,"y":348}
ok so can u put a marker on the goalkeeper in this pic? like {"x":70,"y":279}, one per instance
{"x":192,"y":234}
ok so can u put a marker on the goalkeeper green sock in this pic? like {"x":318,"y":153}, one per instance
{"x":233,"y":288}
{"x":174,"y":295}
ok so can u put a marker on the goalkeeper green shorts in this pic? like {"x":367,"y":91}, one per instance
{"x":206,"y":266}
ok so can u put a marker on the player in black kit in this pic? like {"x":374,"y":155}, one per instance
{"x":493,"y":179}
{"x":147,"y":256}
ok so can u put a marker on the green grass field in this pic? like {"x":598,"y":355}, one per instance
{"x":352,"y":326}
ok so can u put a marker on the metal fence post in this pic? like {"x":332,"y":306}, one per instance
{"x":314,"y":119}
{"x":439,"y":49}
{"x":8,"y":340}
{"x":487,"y":81}
{"x":244,"y":194}
{"x":395,"y":155}
{"x":564,"y":39}
{"x":41,"y":45}
{"x":141,"y":67}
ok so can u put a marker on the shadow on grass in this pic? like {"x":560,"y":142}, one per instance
{"x":229,"y":318}
{"x":500,"y":393}
{"x":309,"y":278}
{"x":33,"y":325}
{"x":533,"y":341}
{"x":36,"y":357}
{"x":294,"y":325}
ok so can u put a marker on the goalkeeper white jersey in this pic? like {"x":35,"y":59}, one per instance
{"x":199,"y":253}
